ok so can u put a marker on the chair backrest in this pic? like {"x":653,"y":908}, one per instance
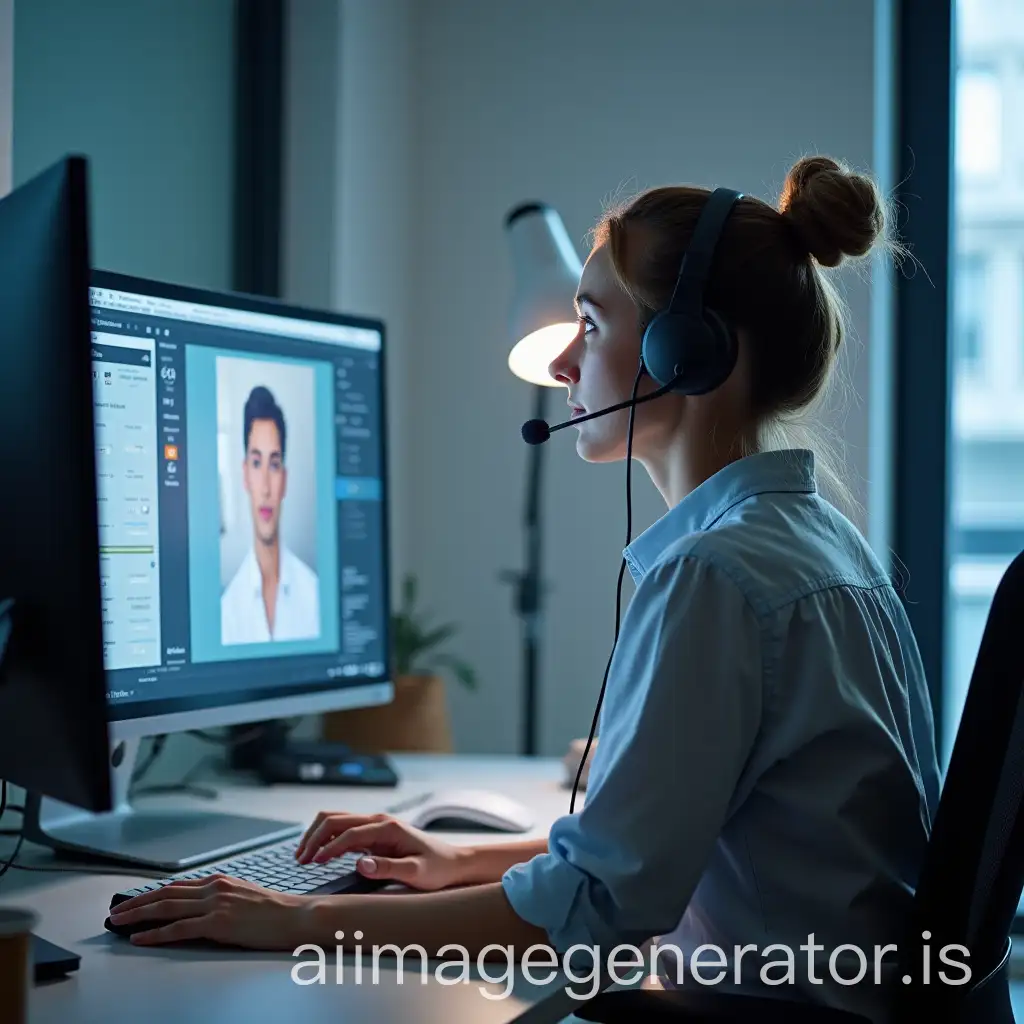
{"x":973,"y":873}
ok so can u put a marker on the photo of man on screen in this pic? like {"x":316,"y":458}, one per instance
{"x":274,"y":595}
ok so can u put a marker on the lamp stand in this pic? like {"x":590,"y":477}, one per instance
{"x":529,"y":585}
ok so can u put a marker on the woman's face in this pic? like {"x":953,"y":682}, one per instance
{"x":600,"y":365}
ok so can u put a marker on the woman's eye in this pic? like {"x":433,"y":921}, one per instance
{"x":586,"y":323}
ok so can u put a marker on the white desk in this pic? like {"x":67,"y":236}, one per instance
{"x":119,"y":982}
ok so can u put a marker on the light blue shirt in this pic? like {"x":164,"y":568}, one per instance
{"x":766,"y":770}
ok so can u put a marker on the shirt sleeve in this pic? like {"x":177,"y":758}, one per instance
{"x":682,"y":708}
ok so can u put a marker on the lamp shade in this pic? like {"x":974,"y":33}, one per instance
{"x":546,"y":271}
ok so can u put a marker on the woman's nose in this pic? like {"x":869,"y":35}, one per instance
{"x":564,"y":367}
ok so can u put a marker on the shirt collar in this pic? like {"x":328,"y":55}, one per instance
{"x":790,"y":470}
{"x":255,"y":578}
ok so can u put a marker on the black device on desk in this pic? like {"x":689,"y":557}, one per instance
{"x":270,"y":754}
{"x":330,"y":764}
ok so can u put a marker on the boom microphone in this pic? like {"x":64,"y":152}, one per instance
{"x":538,"y":431}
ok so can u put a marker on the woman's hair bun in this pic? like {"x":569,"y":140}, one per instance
{"x":833,"y":211}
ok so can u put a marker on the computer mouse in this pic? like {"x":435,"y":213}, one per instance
{"x":126,"y":931}
{"x":470,"y":810}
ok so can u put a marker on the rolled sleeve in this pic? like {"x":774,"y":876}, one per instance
{"x":681,"y":712}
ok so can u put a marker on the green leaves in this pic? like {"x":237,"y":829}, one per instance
{"x":463,"y":672}
{"x":415,"y":645}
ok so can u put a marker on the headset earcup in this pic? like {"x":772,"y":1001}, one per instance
{"x":701,"y":353}
{"x":663,"y":345}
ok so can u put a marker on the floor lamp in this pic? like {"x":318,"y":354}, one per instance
{"x":546,"y":271}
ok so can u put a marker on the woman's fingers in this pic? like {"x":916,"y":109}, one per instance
{"x":316,"y":830}
{"x":162,"y":910}
{"x":317,"y":822}
{"x":377,"y":834}
{"x":184,"y":887}
{"x":330,"y":827}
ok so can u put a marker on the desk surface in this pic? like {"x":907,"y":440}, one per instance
{"x":119,"y":982}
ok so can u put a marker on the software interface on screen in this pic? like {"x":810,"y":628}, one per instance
{"x":239,"y":478}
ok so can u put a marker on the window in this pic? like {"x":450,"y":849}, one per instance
{"x":969,"y":310}
{"x":978,"y":130}
{"x":986,"y":514}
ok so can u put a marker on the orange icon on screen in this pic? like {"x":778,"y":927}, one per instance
{"x":171,"y":452}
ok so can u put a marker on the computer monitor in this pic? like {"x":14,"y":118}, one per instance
{"x":53,"y":728}
{"x":242,"y":527}
{"x":53,"y":716}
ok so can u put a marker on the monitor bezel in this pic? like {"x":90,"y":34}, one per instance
{"x":137,"y":719}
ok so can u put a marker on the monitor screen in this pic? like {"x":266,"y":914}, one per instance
{"x":240,"y":484}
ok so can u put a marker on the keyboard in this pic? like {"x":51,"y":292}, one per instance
{"x":275,"y":868}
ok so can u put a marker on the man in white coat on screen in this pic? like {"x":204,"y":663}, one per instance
{"x":274,"y":595}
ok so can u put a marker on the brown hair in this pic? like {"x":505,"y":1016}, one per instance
{"x":766,"y":280}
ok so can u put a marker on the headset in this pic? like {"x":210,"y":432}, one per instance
{"x":688,"y":349}
{"x":688,"y":346}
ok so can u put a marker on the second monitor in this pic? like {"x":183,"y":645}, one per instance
{"x":240,"y":456}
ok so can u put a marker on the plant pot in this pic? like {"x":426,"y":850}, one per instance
{"x":416,"y":720}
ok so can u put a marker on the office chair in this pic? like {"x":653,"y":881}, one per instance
{"x":970,"y":882}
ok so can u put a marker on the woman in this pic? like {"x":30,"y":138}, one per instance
{"x":766,"y":774}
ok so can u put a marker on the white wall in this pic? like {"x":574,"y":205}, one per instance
{"x":375,"y":261}
{"x":451,"y":112}
{"x":146,"y":91}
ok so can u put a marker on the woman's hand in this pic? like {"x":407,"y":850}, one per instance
{"x":396,"y":851}
{"x":220,"y":908}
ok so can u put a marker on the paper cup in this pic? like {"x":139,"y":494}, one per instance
{"x":16,"y":924}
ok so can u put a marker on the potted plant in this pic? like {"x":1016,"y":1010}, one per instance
{"x":417,"y":719}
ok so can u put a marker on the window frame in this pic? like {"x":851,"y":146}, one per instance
{"x":923,"y":327}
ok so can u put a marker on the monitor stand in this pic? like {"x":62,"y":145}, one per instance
{"x":156,"y":839}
